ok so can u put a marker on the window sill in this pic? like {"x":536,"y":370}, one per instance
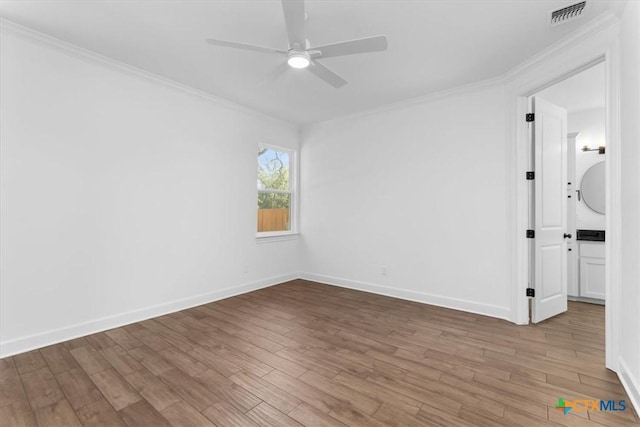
{"x":276,"y":237}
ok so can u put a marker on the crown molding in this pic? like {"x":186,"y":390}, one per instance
{"x":600,"y":23}
{"x":597,"y":24}
{"x":114,"y":64}
{"x":407,"y":103}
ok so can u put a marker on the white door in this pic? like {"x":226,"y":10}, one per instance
{"x":550,"y":213}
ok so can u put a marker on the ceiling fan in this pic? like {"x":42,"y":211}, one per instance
{"x":301,"y":55}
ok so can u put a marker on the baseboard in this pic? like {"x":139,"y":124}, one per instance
{"x":586,"y":300}
{"x":630,"y":383}
{"x":32,"y":342}
{"x":431,"y":299}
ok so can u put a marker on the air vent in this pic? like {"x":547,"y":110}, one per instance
{"x":567,"y":13}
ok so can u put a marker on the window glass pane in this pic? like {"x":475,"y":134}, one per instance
{"x":273,"y":212}
{"x":273,"y":169}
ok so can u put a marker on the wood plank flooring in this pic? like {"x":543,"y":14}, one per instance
{"x":303,"y":353}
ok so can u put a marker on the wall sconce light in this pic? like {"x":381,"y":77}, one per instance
{"x":600,"y":149}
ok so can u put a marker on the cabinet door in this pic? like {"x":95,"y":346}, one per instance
{"x":592,"y":278}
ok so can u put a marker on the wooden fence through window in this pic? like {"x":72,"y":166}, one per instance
{"x":273,"y":219}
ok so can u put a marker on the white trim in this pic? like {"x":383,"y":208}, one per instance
{"x":613,"y":218}
{"x":267,"y":190}
{"x":272,"y":237}
{"x":518,"y":193}
{"x":405,"y":294}
{"x":585,"y":299}
{"x":556,"y":64}
{"x":31,"y":342}
{"x":630,"y":383}
{"x":408,"y":103}
{"x":86,"y":54}
{"x":600,"y":23}
{"x":276,"y":147}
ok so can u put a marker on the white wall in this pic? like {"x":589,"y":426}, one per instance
{"x":630,"y":135}
{"x":122,"y":197}
{"x":421,"y":191}
{"x":590,"y":124}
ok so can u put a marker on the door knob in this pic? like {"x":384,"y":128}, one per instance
{"x":567,"y":236}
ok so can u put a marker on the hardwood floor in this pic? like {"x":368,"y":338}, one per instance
{"x":302,"y":353}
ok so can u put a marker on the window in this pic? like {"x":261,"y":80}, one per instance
{"x":275,"y":190}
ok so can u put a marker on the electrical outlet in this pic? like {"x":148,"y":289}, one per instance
{"x":246,"y":268}
{"x":384,"y":271}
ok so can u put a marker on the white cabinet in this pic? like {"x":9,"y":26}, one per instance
{"x":592,"y":270}
{"x":573,"y":261}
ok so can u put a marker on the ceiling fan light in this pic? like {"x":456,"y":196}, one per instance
{"x":298,"y":60}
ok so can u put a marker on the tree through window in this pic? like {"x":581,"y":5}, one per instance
{"x":274,"y":189}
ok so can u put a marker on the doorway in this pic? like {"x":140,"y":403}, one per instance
{"x":568,"y":193}
{"x":548,"y":71}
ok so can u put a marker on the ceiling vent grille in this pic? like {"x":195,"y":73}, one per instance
{"x":567,"y":13}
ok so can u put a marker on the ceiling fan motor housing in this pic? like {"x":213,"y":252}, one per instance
{"x":299,"y":59}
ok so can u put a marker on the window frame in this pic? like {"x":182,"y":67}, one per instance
{"x":292,"y":233}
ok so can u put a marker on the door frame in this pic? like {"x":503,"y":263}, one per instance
{"x":584,"y":49}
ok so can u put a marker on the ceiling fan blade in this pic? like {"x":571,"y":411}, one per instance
{"x":351,"y":47}
{"x":245,"y":46}
{"x":294,"y":17}
{"x":326,"y":74}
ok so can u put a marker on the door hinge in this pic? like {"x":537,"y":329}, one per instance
{"x":530,"y":117}
{"x":531,"y":175}
{"x":531,"y":234}
{"x":531,"y":292}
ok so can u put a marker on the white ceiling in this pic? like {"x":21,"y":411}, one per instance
{"x":433,"y":45}
{"x":584,"y":91}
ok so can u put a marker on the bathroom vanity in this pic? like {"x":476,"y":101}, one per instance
{"x":586,"y":218}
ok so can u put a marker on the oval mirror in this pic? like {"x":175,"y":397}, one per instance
{"x":592,"y":187}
